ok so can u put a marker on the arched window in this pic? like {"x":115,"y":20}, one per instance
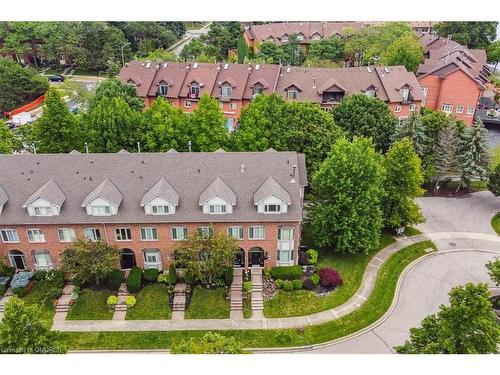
{"x":127,"y":259}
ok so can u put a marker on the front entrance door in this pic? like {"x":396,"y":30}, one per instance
{"x":239,"y":259}
{"x":128,"y":260}
{"x":256,"y":258}
{"x":18,"y":261}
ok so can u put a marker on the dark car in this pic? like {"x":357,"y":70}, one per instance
{"x":56,"y":78}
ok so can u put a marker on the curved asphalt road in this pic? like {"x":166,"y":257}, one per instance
{"x":426,"y":285}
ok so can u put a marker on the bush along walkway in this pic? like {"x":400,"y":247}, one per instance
{"x":348,"y":307}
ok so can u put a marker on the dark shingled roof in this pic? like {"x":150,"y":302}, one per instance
{"x":3,"y":197}
{"x":105,"y":190}
{"x":163,"y":190}
{"x":134,"y":174}
{"x":220,"y":188}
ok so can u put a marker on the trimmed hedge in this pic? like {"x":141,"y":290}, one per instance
{"x":134,"y":280}
{"x":114,"y":279}
{"x":297,"y":284}
{"x":151,"y":275}
{"x":286,"y":272}
{"x":172,"y":274}
{"x":189,"y":278}
{"x":287,"y":285}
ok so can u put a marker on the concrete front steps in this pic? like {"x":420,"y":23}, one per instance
{"x":179,"y":303}
{"x":257,"y":297}
{"x":237,"y":294}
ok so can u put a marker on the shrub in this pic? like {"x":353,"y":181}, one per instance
{"x":39,"y":276}
{"x":228,"y":276}
{"x":329,"y":278}
{"x":315,"y":279}
{"x":4,"y":280}
{"x":134,"y":280}
{"x":189,"y":278}
{"x":286,"y":272}
{"x":313,"y":256}
{"x":287,"y":285}
{"x":267,"y":272}
{"x":21,"y":279}
{"x":150,"y":275}
{"x":5,"y":270}
{"x":308,"y":284}
{"x":114,"y":279}
{"x":112,"y":301}
{"x":130,"y":301}
{"x":2,"y":290}
{"x":247,"y":286}
{"x":279,"y":283}
{"x":303,"y":258}
{"x":172,"y":274}
{"x":297,"y":284}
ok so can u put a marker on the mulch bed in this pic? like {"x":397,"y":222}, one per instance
{"x":268,"y":288}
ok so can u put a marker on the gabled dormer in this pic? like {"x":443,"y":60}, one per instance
{"x":331,"y":91}
{"x":194,"y":89}
{"x":258,"y":87}
{"x":161,"y":199}
{"x":405,"y":92}
{"x":292,"y":92}
{"x":217,"y":198}
{"x":46,"y":201}
{"x":371,"y":91}
{"x":226,"y":89}
{"x":163,"y":87}
{"x":272,"y":198}
{"x":3,"y":198}
{"x":104,"y":200}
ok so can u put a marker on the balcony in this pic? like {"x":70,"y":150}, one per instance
{"x":224,"y":98}
{"x":193,"y":95}
{"x":331,"y":97}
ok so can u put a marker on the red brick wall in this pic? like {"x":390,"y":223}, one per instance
{"x":164,"y":242}
{"x":405,"y":109}
{"x":433,"y":84}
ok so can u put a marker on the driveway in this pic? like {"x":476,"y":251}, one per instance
{"x":424,"y":288}
{"x":471,"y":213}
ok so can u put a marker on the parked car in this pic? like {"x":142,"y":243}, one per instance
{"x":56,"y":78}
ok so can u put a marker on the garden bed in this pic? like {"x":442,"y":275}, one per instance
{"x":208,"y":304}
{"x":152,"y":303}
{"x":91,"y":305}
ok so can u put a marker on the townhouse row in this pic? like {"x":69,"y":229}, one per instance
{"x":147,"y":204}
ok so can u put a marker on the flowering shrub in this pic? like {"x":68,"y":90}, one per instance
{"x":130,"y":301}
{"x":329,"y":278}
{"x":21,"y":279}
{"x":112,"y":301}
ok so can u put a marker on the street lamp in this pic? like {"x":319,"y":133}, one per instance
{"x":122,"y":47}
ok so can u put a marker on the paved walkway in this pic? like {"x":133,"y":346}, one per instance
{"x":256,"y":293}
{"x":271,"y":323}
{"x":179,"y":303}
{"x":121,"y":307}
{"x":237,"y":294}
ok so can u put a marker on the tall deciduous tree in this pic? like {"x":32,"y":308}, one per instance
{"x":207,"y":257}
{"x":271,"y":53}
{"x":56,"y":131}
{"x":347,"y":190}
{"x":360,"y":115}
{"x":493,"y":53}
{"x":467,"y":326}
{"x":403,"y":180}
{"x":112,"y":125}
{"x":6,"y":139}
{"x":23,"y":330}
{"x":326,"y":49}
{"x":406,"y":50}
{"x":472,"y":34}
{"x":89,"y":261}
{"x":207,"y":126}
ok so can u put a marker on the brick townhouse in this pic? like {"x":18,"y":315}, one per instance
{"x":452,"y":76}
{"x":146,"y":204}
{"x":235,"y":85}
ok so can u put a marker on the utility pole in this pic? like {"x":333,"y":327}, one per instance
{"x":123,"y":57}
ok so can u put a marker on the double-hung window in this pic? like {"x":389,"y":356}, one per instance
{"x":9,"y":235}
{"x":447,"y":108}
{"x":35,"y":235}
{"x":43,"y":211}
{"x":66,"y":234}
{"x":285,"y":245}
{"x":101,"y":210}
{"x":92,"y":234}
{"x":272,"y":208}
{"x":236,"y":232}
{"x":256,"y":232}
{"x":226,"y":91}
{"x":43,"y":262}
{"x":206,"y":231}
{"x":292,"y":94}
{"x":460,"y":109}
{"x":123,"y":234}
{"x":179,"y":233}
{"x":159,"y":210}
{"x":217,"y":209}
{"x":149,"y":234}
{"x":470,"y":110}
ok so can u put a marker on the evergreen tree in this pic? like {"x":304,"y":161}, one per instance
{"x":207,"y":126}
{"x":57,"y":130}
{"x":242,"y":49}
{"x":474,"y":155}
{"x":346,"y":197}
{"x":413,"y":129}
{"x":447,"y":149}
{"x":6,"y":139}
{"x":403,"y":180}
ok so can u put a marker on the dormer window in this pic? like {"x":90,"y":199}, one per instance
{"x":292,"y":94}
{"x":405,"y":94}
{"x":271,"y":198}
{"x":43,"y":211}
{"x":257,"y":89}
{"x":159,"y":210}
{"x":226,"y":90}
{"x":218,"y":198}
{"x":46,"y":201}
{"x":103,"y":210}
{"x":217,"y":208}
{"x":160,"y":199}
{"x":370,"y":93}
{"x":316,"y":36}
{"x":162,"y":89}
{"x":194,"y":90}
{"x":131,"y":83}
{"x":284,"y":39}
{"x":300,"y":37}
{"x":104,"y":200}
{"x":272,"y":208}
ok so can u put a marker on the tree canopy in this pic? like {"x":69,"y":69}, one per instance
{"x":406,"y":50}
{"x":6,"y":139}
{"x":113,"y":88}
{"x":493,"y":267}
{"x":467,"y":326}
{"x":472,"y":34}
{"x":326,"y":49}
{"x":345,"y":211}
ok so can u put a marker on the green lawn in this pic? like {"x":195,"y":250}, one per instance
{"x":495,"y":223}
{"x":376,"y":305}
{"x":152,"y":303}
{"x":410,"y":231}
{"x":35,"y":296}
{"x":247,"y":308}
{"x":91,"y":305}
{"x":208,"y":304}
{"x":303,"y":302}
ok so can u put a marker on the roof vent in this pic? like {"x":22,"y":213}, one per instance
{"x":257,"y":67}
{"x":195,"y":65}
{"x":226,"y":66}
{"x":148,"y":65}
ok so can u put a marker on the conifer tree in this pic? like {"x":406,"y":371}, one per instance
{"x":446,"y":152}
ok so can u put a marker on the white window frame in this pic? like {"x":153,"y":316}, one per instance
{"x":470,"y":110}
{"x":253,"y":228}
{"x":152,"y":264}
{"x":300,"y":37}
{"x":295,"y":96}
{"x":257,"y":89}
{"x":149,"y":234}
{"x":285,"y":246}
{"x":64,"y":231}
{"x":43,"y":211}
{"x":233,"y":106}
{"x":370,"y":93}
{"x":405,"y":94}
{"x":195,"y":89}
{"x":163,"y":89}
{"x":284,"y":39}
{"x":121,"y":233}
{"x":165,"y":210}
{"x":238,"y":230}
{"x":12,"y":233}
{"x":425,"y":90}
{"x":444,"y":106}
{"x":176,"y":231}
{"x":44,"y":266}
{"x":412,"y":107}
{"x":397,"y":108}
{"x":96,"y":234}
{"x":35,"y":235}
{"x":187,"y":104}
{"x":226,"y":91}
{"x":217,"y":209}
{"x":460,"y":109}
{"x":277,"y":206}
{"x":101,"y":210}
{"x":221,"y":105}
{"x":205,"y":230}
